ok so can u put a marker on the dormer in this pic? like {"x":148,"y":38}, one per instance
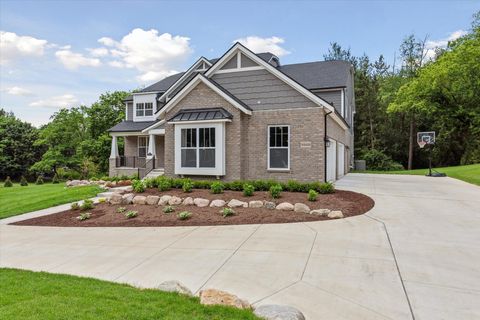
{"x":144,"y":106}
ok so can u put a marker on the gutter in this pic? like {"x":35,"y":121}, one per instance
{"x":325,"y":140}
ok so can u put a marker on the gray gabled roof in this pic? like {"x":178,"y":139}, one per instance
{"x":130,"y":126}
{"x":164,"y":84}
{"x":201,"y":115}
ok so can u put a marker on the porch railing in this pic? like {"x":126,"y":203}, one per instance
{"x":149,"y":166}
{"x":130,"y":162}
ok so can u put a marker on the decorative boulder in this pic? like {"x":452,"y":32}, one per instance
{"x":277,"y":312}
{"x":139,"y":200}
{"x":127,"y":198}
{"x":200,"y":202}
{"x":152,"y":200}
{"x":214,"y":297}
{"x":285,"y":206}
{"x":255,"y":204}
{"x":335,"y":214}
{"x":188,"y":201}
{"x":115,"y":198}
{"x":302,"y":208}
{"x":234,"y":203}
{"x":269,"y":205}
{"x":164,"y":200}
{"x":320,"y":212}
{"x":174,"y":201}
{"x":218,"y":203}
{"x":128,"y":189}
{"x":174,"y":286}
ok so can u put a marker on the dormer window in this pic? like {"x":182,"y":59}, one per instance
{"x":144,"y":109}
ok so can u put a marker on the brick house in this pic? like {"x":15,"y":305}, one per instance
{"x":241,"y":116}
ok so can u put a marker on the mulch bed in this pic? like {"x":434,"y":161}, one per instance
{"x":106,"y":215}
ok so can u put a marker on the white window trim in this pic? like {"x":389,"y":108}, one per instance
{"x":342,"y":96}
{"x":268,"y":147}
{"x":219,"y":169}
{"x":146,"y":146}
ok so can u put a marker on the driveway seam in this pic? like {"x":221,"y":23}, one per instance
{"x":396,"y":263}
{"x":309,"y":254}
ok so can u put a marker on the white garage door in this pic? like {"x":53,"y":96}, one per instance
{"x":332,"y":161}
{"x":340,"y":160}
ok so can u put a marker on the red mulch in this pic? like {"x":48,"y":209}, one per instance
{"x":106,"y":215}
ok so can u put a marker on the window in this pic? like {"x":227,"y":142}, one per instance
{"x":144,"y":109}
{"x":142,"y":147}
{"x":279,"y":147}
{"x":198,"y":148}
{"x":148,"y":109}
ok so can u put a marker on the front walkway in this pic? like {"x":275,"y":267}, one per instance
{"x":415,"y":255}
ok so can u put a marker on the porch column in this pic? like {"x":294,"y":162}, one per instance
{"x":114,"y":149}
{"x":151,"y":147}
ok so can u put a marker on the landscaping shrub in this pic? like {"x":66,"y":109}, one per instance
{"x":23,"y":182}
{"x":264,"y":185}
{"x":202,"y":184}
{"x":275,"y":191}
{"x":86,"y":205}
{"x":138,"y":186}
{"x":130,"y":214}
{"x":74,"y":206}
{"x":164,"y":184}
{"x":184,"y":215}
{"x":187,"y":186}
{"x":8,"y":183}
{"x":84,"y":216}
{"x":312,"y":195}
{"x":326,"y":187}
{"x":236,"y":185}
{"x":293,"y":186}
{"x":227,"y":212}
{"x":168,"y":209}
{"x":121,"y":209}
{"x":39,"y":180}
{"x":55,"y":179}
{"x":217,"y":187}
{"x":377,"y":160}
{"x":150,"y":183}
{"x":248,"y":190}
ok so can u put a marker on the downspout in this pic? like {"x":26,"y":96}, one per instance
{"x":325,"y":139}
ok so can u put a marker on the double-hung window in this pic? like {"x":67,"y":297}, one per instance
{"x":144,"y":109}
{"x":278,"y":147}
{"x":198,"y":148}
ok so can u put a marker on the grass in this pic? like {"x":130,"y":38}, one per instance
{"x":17,"y":199}
{"x":40,"y":295}
{"x":469,"y":173}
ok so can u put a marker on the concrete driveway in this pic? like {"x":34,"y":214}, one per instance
{"x":416,"y":255}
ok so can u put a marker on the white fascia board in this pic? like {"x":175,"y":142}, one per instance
{"x":199,"y":121}
{"x":147,"y":92}
{"x":153,"y":126}
{"x":189,"y":87}
{"x":126,"y":134}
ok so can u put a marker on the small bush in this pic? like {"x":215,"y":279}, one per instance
{"x":227,"y":212}
{"x":293,"y":186}
{"x":23,"y":182}
{"x":202,"y":184}
{"x":130,"y":214}
{"x":326,"y":187}
{"x":8,"y":183}
{"x":187,"y":186}
{"x":236,"y":185}
{"x":39,"y":180}
{"x":74,"y":206}
{"x":102,"y":200}
{"x":84,"y":216}
{"x":55,"y":179}
{"x":138,"y":186}
{"x":275,"y":191}
{"x":150,"y":183}
{"x":248,"y":190}
{"x":217,"y":187}
{"x":378,"y":160}
{"x":86,"y":205}
{"x":164,"y":184}
{"x":168,"y":209}
{"x":184,"y":215}
{"x":121,"y":209}
{"x":312,"y":195}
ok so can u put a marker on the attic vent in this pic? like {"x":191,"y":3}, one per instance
{"x":274,"y":61}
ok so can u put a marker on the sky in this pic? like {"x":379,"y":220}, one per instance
{"x":56,"y":54}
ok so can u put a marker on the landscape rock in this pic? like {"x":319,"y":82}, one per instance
{"x":320,"y":212}
{"x":164,"y":200}
{"x":139,"y":200}
{"x":174,"y":286}
{"x":188,"y":201}
{"x":127,"y":198}
{"x":234,"y":203}
{"x":278,"y":312}
{"x":255,"y":204}
{"x":218,"y":203}
{"x":152,"y":200}
{"x":200,"y":202}
{"x":76,"y":183}
{"x":269,"y":205}
{"x":174,"y":201}
{"x":285,"y":206}
{"x":335,"y":214}
{"x":218,"y":297}
{"x":302,"y":208}
{"x":115,"y":198}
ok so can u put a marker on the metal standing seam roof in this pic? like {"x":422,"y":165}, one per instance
{"x":201,"y":115}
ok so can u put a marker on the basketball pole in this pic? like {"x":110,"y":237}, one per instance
{"x":430,"y":160}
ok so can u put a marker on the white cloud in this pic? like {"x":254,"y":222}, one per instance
{"x":72,"y":60}
{"x":18,"y":91}
{"x":98,"y":52}
{"x":12,"y":46}
{"x":431,"y":45}
{"x":154,"y":55}
{"x":258,"y":45}
{"x":64,"y":101}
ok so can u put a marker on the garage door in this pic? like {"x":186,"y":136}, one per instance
{"x":332,"y":161}
{"x":340,"y":160}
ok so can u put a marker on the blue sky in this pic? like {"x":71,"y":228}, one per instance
{"x":66,"y":53}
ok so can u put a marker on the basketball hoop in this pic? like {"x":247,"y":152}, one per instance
{"x":422,"y":144}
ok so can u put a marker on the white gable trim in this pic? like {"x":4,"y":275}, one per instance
{"x":153,"y":126}
{"x":191,"y":85}
{"x":183,"y":77}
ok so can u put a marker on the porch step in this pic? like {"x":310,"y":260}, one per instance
{"x":154,"y":173}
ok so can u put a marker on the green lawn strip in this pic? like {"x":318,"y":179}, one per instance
{"x":40,"y":295}
{"x":469,"y":173}
{"x":17,"y":199}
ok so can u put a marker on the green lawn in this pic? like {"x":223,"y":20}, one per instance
{"x":17,"y":199}
{"x":469,"y":173}
{"x":40,"y":295}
